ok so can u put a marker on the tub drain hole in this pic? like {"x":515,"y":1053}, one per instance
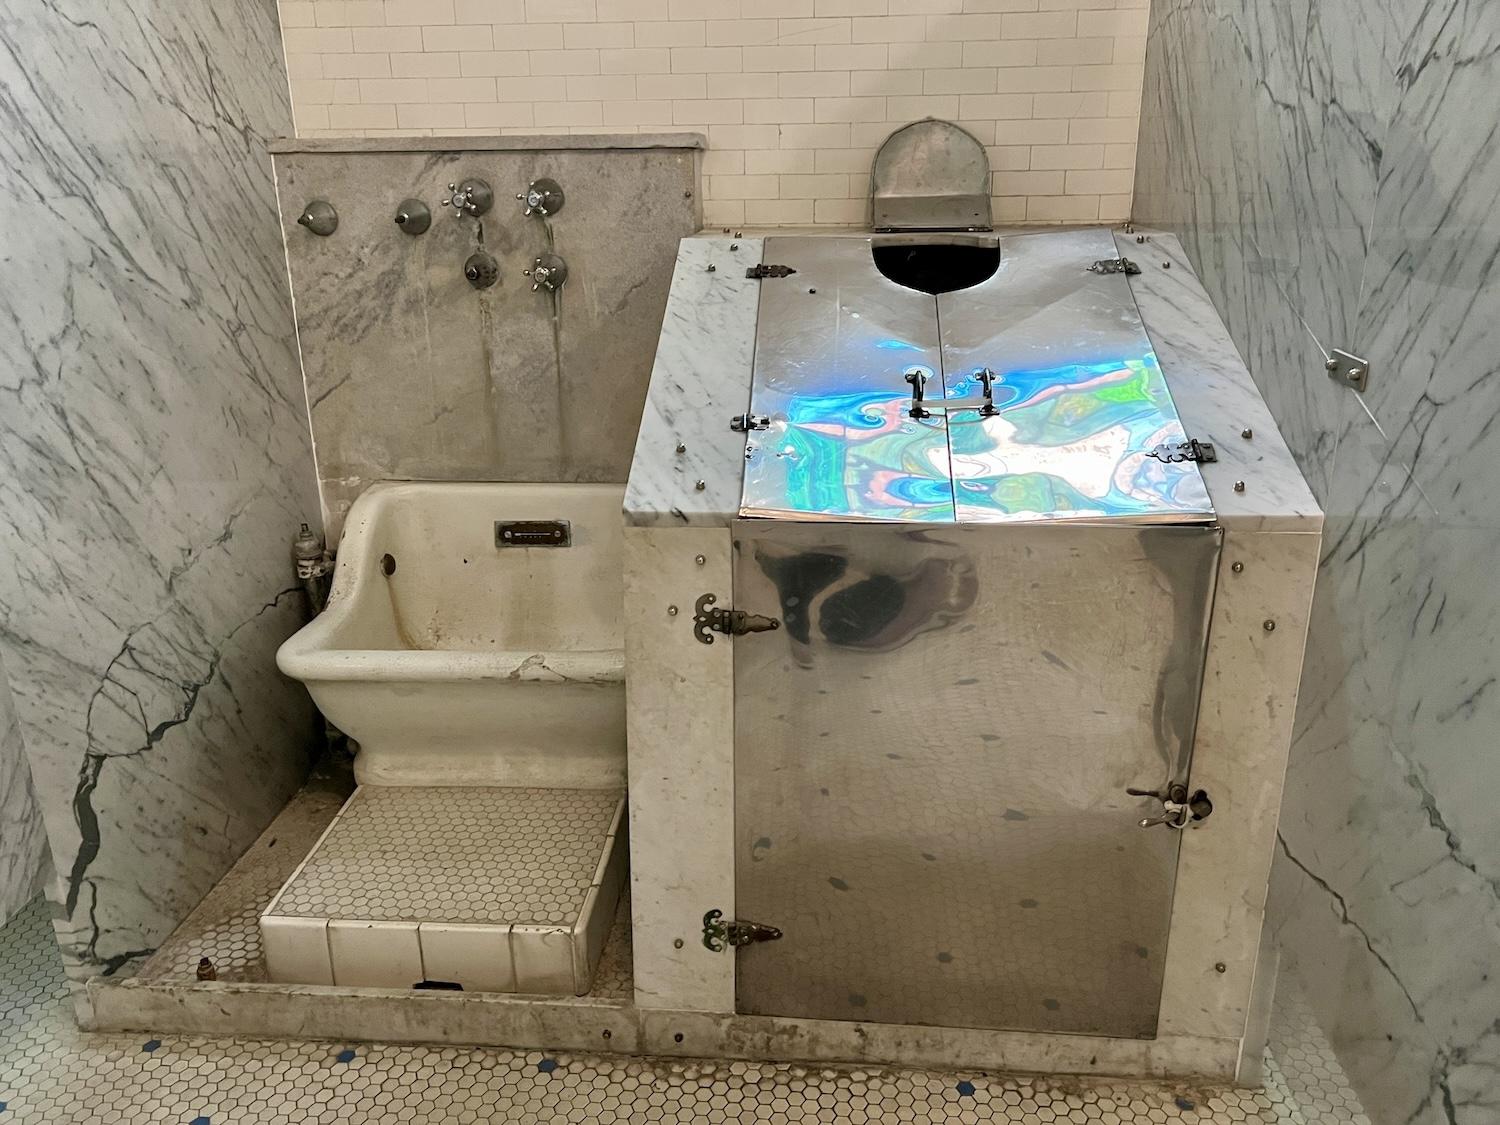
{"x":387,"y":565}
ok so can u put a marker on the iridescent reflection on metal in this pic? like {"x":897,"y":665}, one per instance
{"x":834,"y":343}
{"x":1080,"y":398}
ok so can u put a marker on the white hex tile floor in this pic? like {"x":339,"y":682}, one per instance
{"x":52,"y":1072}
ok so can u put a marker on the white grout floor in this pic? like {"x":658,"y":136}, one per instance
{"x":52,"y":1072}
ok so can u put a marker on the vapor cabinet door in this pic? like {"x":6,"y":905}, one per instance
{"x":931,"y":758}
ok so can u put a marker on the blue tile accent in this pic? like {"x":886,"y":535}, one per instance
{"x":345,"y":1056}
{"x":150,"y":1045}
{"x":3,"y":1105}
{"x":966,"y":1088}
{"x":547,"y":1066}
{"x":200,"y":1121}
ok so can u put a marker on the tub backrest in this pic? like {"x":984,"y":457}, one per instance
{"x":452,"y":587}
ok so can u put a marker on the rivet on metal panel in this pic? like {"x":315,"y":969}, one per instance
{"x":701,"y":560}
{"x":1220,"y":967}
{"x":671,"y":611}
{"x":677,"y":943}
{"x":1166,"y":265}
{"x":1238,"y":568}
{"x":1268,"y":625}
{"x":1239,"y":486}
{"x":701,"y":485}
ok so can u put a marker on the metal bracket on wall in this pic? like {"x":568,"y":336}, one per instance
{"x":755,"y":273}
{"x":1348,"y":369}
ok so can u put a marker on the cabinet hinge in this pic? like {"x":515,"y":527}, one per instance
{"x":1190,"y":450}
{"x":767,"y":270}
{"x":744,"y":423}
{"x":709,"y":619}
{"x":720,"y":933}
{"x":1115,"y":265}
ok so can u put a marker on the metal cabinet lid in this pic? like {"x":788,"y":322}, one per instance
{"x":1080,"y":423}
{"x":930,"y":175}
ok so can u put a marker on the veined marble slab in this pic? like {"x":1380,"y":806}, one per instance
{"x":154,"y":456}
{"x":23,"y":840}
{"x":533,"y":142}
{"x":706,"y":354}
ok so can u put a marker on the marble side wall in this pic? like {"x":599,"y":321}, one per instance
{"x":1334,"y":174}
{"x":412,"y":374}
{"x":23,"y":841}
{"x":154,"y":456}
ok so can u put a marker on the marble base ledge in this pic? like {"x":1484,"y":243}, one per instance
{"x":277,"y":1011}
{"x":520,"y":142}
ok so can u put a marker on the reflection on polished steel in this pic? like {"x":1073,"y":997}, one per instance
{"x":833,"y":345}
{"x":1079,"y":399}
{"x":931,"y":763}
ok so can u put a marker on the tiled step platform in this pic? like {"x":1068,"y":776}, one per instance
{"x":489,"y":889}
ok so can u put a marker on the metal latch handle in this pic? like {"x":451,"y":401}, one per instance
{"x":709,"y":619}
{"x":1178,"y":808}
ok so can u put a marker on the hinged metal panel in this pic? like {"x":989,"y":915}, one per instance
{"x":1042,"y":401}
{"x":1082,"y":401}
{"x":832,"y":347}
{"x":931,"y":764}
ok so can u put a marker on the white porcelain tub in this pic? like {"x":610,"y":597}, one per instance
{"x":468,"y":663}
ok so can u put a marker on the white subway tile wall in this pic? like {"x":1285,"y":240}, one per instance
{"x":794,"y":95}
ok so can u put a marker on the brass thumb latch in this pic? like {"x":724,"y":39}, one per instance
{"x":719,"y":934}
{"x":708,"y":619}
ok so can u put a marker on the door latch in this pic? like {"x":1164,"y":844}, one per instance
{"x":720,"y":933}
{"x":1115,"y":265}
{"x":1178,"y":808}
{"x":709,"y":619}
{"x":1190,"y":450}
{"x":744,"y":423}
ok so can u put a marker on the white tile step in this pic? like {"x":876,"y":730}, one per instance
{"x":491,"y":889}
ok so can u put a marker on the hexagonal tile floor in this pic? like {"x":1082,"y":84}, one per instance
{"x":52,"y":1072}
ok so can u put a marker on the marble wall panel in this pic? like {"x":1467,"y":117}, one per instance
{"x":154,"y":458}
{"x":413,"y":374}
{"x":24,"y":862}
{"x":1340,"y":151}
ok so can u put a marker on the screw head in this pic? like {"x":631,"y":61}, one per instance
{"x":1268,"y":625}
{"x":701,"y":485}
{"x":677,"y":944}
{"x":734,"y":245}
{"x":1238,"y":568}
{"x":1166,"y":265}
{"x":681,"y":447}
{"x":1239,"y":486}
{"x":700,"y":560}
{"x":1220,"y":967}
{"x":812,"y":290}
{"x":1140,"y":238}
{"x":712,"y":268}
{"x":671,"y":611}
{"x":1331,"y":364}
{"x":1247,"y":433}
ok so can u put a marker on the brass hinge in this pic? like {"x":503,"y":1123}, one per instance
{"x":764,"y":270}
{"x":1115,"y":265}
{"x":720,"y":933}
{"x":1190,"y":450}
{"x":709,"y":619}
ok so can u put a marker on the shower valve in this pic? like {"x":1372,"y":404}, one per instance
{"x":549,"y":272}
{"x":542,"y":197}
{"x":472,"y":197}
{"x":1178,"y":808}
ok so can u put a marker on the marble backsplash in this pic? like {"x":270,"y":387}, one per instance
{"x":1333,"y":172}
{"x":413,"y":374}
{"x":154,"y":456}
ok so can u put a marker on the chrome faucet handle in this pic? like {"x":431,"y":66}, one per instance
{"x":472,"y":197}
{"x":548,"y":272}
{"x":542,"y":197}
